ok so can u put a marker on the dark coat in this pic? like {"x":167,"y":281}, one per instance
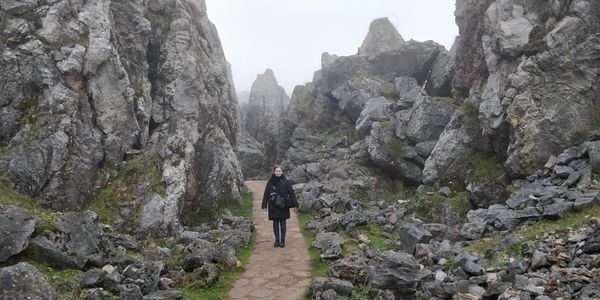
{"x":284,"y":188}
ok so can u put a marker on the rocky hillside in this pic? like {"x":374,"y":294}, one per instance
{"x":413,"y":163}
{"x":118,"y":133}
{"x":88,"y":87}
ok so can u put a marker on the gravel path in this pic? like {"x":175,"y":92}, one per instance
{"x":273,"y":273}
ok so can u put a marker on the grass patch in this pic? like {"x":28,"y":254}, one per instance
{"x":535,"y":232}
{"x":424,"y":206}
{"x":379,"y":239}
{"x":8,"y":196}
{"x":119,"y":186}
{"x":318,"y":268}
{"x":486,"y":167}
{"x":243,"y":209}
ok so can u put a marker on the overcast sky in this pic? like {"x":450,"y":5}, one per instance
{"x":289,"y":36}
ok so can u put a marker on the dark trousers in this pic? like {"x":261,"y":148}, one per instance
{"x":277,"y":224}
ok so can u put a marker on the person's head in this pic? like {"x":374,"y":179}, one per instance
{"x":278,"y":170}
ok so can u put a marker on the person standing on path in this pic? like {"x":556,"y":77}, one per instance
{"x":279,"y":184}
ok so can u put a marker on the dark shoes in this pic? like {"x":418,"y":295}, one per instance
{"x":282,"y":244}
{"x":278,"y":244}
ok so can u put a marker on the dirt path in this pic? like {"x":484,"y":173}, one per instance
{"x":273,"y":273}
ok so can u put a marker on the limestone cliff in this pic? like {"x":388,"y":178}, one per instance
{"x":85,"y":85}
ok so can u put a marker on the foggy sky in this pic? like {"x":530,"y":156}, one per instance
{"x":289,"y":36}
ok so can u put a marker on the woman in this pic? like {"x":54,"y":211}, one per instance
{"x":279,"y":184}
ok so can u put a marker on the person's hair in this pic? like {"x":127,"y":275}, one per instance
{"x":278,"y":166}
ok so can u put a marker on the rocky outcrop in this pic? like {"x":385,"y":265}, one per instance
{"x":382,"y":37}
{"x":87,"y":84}
{"x":251,"y":155}
{"x":531,"y":81}
{"x":266,"y":106}
{"x":377,"y":97}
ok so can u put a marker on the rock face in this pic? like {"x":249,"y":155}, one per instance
{"x":382,"y":37}
{"x":379,"y":98}
{"x":530,"y":79}
{"x":83,"y":84}
{"x":266,"y":106}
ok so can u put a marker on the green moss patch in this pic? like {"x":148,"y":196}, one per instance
{"x":119,"y":187}
{"x":425,"y":205}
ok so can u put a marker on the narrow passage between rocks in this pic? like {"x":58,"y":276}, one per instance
{"x":273,"y":273}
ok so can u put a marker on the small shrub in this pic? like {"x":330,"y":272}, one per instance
{"x":395,"y":147}
{"x":486,"y":167}
{"x":471,"y":112}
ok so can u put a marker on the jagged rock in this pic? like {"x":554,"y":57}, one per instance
{"x":397,"y":272}
{"x":24,"y":281}
{"x":376,"y":109}
{"x":428,"y":119}
{"x":411,"y":234}
{"x":78,"y":241}
{"x":414,"y":59}
{"x":251,"y":155}
{"x":392,"y":154}
{"x":129,"y":291}
{"x":382,"y":37}
{"x":341,"y":287}
{"x":17,"y":225}
{"x":266,"y":105}
{"x":452,"y":151}
{"x":353,"y":268}
{"x":354,"y":94}
{"x":439,"y":82}
{"x":330,"y":244}
{"x":146,"y":275}
{"x":484,"y":194}
{"x":340,"y":71}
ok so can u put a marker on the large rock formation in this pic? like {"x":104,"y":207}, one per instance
{"x":266,"y":106}
{"x":379,"y":98}
{"x":85,"y":83}
{"x":530,"y":72}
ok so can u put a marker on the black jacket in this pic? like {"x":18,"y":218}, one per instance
{"x":284,"y":188}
